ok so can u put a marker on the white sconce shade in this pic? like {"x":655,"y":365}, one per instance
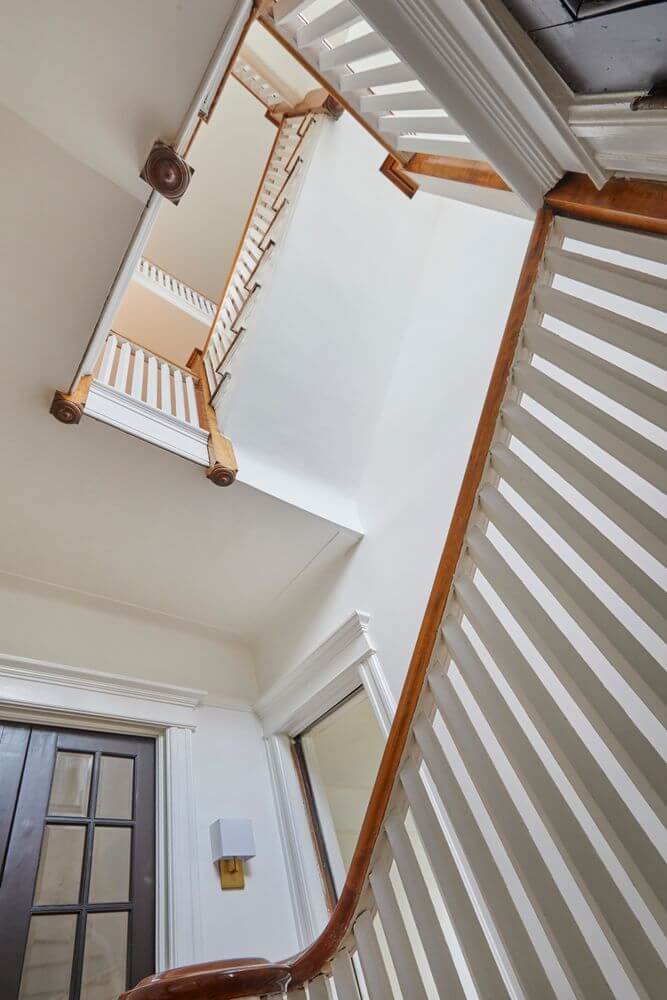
{"x":232,"y":838}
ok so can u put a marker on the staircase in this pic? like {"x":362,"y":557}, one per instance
{"x":514,"y":844}
{"x":361,"y":66}
{"x":267,"y":223}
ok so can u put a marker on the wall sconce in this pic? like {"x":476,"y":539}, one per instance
{"x":232,"y":843}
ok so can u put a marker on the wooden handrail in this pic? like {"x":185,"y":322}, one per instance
{"x":457,"y":168}
{"x":639,"y":204}
{"x":222,"y":981}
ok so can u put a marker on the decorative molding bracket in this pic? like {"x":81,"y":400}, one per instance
{"x":167,"y":172}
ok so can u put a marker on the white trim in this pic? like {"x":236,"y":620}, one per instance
{"x":52,"y":694}
{"x":98,"y":680}
{"x":625,"y":141}
{"x":112,"y":406}
{"x":342,"y":663}
{"x":174,"y":298}
{"x":489,"y":76}
{"x":303,"y":876}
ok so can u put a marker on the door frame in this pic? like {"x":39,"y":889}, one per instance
{"x":36,"y":692}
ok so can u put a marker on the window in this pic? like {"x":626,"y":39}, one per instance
{"x":337,"y":759}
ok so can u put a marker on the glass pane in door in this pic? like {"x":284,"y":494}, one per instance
{"x":47,"y":967}
{"x":114,"y":793}
{"x":104,"y":957}
{"x":110,"y":876}
{"x":60,"y":861}
{"x":70,"y":789}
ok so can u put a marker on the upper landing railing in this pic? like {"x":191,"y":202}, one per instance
{"x":513,"y":846}
{"x":157,"y":280}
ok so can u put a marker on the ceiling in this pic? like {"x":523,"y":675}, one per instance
{"x":87,"y":507}
{"x":104,"y":80}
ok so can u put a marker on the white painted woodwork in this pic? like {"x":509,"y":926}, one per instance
{"x":250,"y":77}
{"x":338,"y":65}
{"x":627,"y":142}
{"x":528,"y":825}
{"x":424,"y":124}
{"x":350,"y":52}
{"x":344,"y":978}
{"x":393,"y":925}
{"x":375,"y":973}
{"x":270,"y":216}
{"x":156,"y":280}
{"x":343,"y":15}
{"x":131,"y":399}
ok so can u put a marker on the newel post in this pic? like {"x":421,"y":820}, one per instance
{"x":67,"y":407}
{"x":223,"y":468}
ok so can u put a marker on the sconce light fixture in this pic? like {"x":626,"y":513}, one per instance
{"x":232,"y":843}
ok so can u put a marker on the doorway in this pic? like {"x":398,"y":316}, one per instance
{"x":77,"y":862}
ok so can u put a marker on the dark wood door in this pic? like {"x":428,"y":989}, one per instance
{"x":77,"y":863}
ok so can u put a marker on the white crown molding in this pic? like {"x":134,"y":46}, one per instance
{"x":97,"y":680}
{"x":289,"y":703}
{"x":623,"y":141}
{"x":490,"y":77}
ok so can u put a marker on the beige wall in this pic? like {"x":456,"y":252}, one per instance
{"x":196,"y":240}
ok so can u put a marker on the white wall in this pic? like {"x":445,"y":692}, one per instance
{"x":418,"y":455}
{"x":62,"y":626}
{"x":232,"y":781}
{"x":309,"y":378}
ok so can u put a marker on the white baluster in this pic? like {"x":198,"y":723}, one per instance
{"x":179,"y":397}
{"x":107,"y":360}
{"x":123,"y":366}
{"x":138,"y":374}
{"x":151,"y":388}
{"x":193,"y":413}
{"x":165,"y":387}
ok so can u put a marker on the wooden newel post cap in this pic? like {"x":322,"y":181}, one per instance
{"x":167,"y":172}
{"x":220,"y":475}
{"x":65,"y":409}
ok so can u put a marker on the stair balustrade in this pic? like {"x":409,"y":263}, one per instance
{"x":157,"y":280}
{"x":150,"y":397}
{"x":514,"y":843}
{"x":266,"y":223}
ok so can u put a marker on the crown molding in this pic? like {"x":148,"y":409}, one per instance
{"x":46,"y":672}
{"x":289,"y":703}
{"x":493,"y":80}
{"x":622,"y":140}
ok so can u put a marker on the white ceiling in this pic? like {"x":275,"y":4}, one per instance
{"x":103,"y":80}
{"x":88,"y":507}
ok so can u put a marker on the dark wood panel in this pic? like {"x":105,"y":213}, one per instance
{"x":13,"y":748}
{"x":532,"y":14}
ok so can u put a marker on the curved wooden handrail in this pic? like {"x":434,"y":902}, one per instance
{"x":223,"y":980}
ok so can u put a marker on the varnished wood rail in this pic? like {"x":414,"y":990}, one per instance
{"x":428,"y":687}
{"x":224,"y":981}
